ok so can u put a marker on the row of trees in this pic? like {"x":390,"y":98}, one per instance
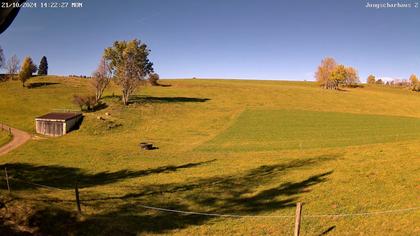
{"x":331,"y":75}
{"x":22,"y":72}
{"x":412,"y":83}
{"x":28,"y":68}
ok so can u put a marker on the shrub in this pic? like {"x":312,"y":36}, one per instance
{"x":371,"y":79}
{"x":153,"y":79}
{"x":86,"y":103}
{"x":416,"y":87}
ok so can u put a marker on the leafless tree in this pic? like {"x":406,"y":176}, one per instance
{"x":12,"y":66}
{"x":101,"y":79}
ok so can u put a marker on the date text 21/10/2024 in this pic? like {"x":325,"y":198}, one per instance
{"x":42,"y":5}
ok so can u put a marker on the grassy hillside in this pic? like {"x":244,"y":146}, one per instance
{"x":225,"y":146}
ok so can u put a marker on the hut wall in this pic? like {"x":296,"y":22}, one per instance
{"x":69,"y":125}
{"x":51,"y":128}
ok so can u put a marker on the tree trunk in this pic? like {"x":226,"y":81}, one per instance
{"x":125,"y":98}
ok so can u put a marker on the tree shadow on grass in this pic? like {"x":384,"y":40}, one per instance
{"x":99,"y":106}
{"x":238,"y":194}
{"x":130,"y":218}
{"x":66,"y":177}
{"x":149,"y":99}
{"x":40,"y":84}
{"x":234,"y":194}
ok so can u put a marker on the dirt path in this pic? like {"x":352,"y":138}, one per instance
{"x":19,"y":137}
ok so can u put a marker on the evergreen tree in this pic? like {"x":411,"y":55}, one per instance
{"x":43,"y":66}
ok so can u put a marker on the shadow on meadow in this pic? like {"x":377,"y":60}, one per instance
{"x":233,"y":194}
{"x":66,"y":177}
{"x":40,"y":84}
{"x":137,"y":99}
{"x":238,"y":194}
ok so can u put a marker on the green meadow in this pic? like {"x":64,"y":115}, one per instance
{"x":231,"y":147}
{"x":265,"y":130}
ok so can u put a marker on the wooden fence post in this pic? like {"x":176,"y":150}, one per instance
{"x":10,"y":131}
{"x":7,"y":179}
{"x":298,"y":218}
{"x":77,"y":198}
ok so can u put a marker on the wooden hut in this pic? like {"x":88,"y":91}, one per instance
{"x":57,"y":124}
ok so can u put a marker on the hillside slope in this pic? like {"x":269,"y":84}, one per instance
{"x":183,"y":120}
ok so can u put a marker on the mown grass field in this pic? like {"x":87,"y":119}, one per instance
{"x":227,"y":147}
{"x":265,"y":130}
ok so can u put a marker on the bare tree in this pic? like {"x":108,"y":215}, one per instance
{"x":12,"y":66}
{"x":101,"y":79}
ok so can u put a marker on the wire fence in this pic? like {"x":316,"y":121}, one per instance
{"x":297,"y":223}
{"x":281,"y":216}
{"x":78,"y":202}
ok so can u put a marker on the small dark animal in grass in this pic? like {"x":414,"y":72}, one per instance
{"x":147,"y":146}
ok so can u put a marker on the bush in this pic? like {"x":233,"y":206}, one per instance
{"x":86,"y":103}
{"x":371,"y":79}
{"x":416,"y":87}
{"x":153,"y":79}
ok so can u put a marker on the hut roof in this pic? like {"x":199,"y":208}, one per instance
{"x":59,"y":116}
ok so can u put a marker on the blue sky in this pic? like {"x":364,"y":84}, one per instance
{"x":257,"y":39}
